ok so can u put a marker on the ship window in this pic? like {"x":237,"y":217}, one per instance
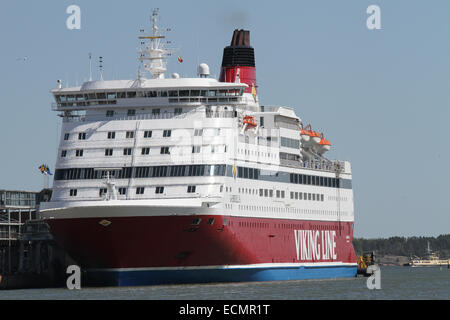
{"x":167,"y":133}
{"x":321,"y":197}
{"x":195,"y":93}
{"x":63,"y":153}
{"x":111,"y":135}
{"x":191,"y":189}
{"x":141,"y":94}
{"x":79,"y":153}
{"x":164,"y":150}
{"x":309,"y":196}
{"x":159,"y":190}
{"x":282,"y":194}
{"x":127,"y":152}
{"x":82,"y":136}
{"x":271,"y":193}
{"x":278,"y":193}
{"x":148,"y":134}
{"x":162,"y":93}
{"x":109,"y":113}
{"x":178,"y":111}
{"x":108,"y":152}
{"x":111,"y":95}
{"x":73,"y":192}
{"x":122,"y":191}
{"x":70,"y":97}
{"x":314,"y":197}
{"x":131,"y":94}
{"x":184,"y":93}
{"x":196,"y":221}
{"x":145,"y":151}
{"x":121,"y":95}
{"x":173,"y":93}
{"x":66,"y":136}
{"x":131,"y":112}
{"x":195,"y":149}
{"x":198,"y":132}
{"x":210,"y":221}
{"x":102,"y":191}
{"x":129,"y":134}
{"x":156,"y":111}
{"x":151,"y":94}
{"x":140,"y":190}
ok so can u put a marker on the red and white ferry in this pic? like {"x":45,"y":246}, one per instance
{"x":177,"y":180}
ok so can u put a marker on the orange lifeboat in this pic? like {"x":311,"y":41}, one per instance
{"x":307,"y":134}
{"x":324,"y":146}
{"x":315,"y":137}
{"x":304,"y":134}
{"x":250,"y":122}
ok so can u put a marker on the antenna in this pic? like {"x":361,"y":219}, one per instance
{"x":101,"y":68}
{"x":90,"y":66}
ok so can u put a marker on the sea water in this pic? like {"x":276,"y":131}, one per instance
{"x":397,"y":283}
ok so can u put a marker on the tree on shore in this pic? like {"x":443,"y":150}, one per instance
{"x":402,"y":246}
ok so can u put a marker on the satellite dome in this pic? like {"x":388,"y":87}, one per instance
{"x":175,"y":75}
{"x":203,"y":70}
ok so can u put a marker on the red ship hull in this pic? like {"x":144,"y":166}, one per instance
{"x":119,"y":245}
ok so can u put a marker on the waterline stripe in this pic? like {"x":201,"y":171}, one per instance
{"x":226,"y":267}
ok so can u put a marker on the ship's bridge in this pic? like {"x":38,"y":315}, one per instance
{"x":147,"y":93}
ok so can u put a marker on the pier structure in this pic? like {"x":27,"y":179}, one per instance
{"x":29,"y":257}
{"x":16,"y":207}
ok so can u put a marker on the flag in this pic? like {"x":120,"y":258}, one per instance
{"x":45,"y":169}
{"x":180,"y":59}
{"x":254,"y":92}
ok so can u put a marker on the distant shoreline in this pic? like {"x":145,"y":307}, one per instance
{"x":397,"y":251}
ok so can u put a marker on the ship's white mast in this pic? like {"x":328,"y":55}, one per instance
{"x":153,"y":54}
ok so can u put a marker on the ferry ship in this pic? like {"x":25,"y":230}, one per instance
{"x":430,"y":260}
{"x":187,"y":180}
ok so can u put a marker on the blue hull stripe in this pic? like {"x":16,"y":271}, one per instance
{"x":151,"y":277}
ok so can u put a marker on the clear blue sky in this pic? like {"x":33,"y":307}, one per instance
{"x":381,"y":96}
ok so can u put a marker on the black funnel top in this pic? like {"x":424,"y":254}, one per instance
{"x":239,"y":53}
{"x":240,"y":38}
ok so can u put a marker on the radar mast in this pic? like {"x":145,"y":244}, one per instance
{"x":153,"y":53}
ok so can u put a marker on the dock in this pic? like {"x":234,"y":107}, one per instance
{"x":29,"y":257}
